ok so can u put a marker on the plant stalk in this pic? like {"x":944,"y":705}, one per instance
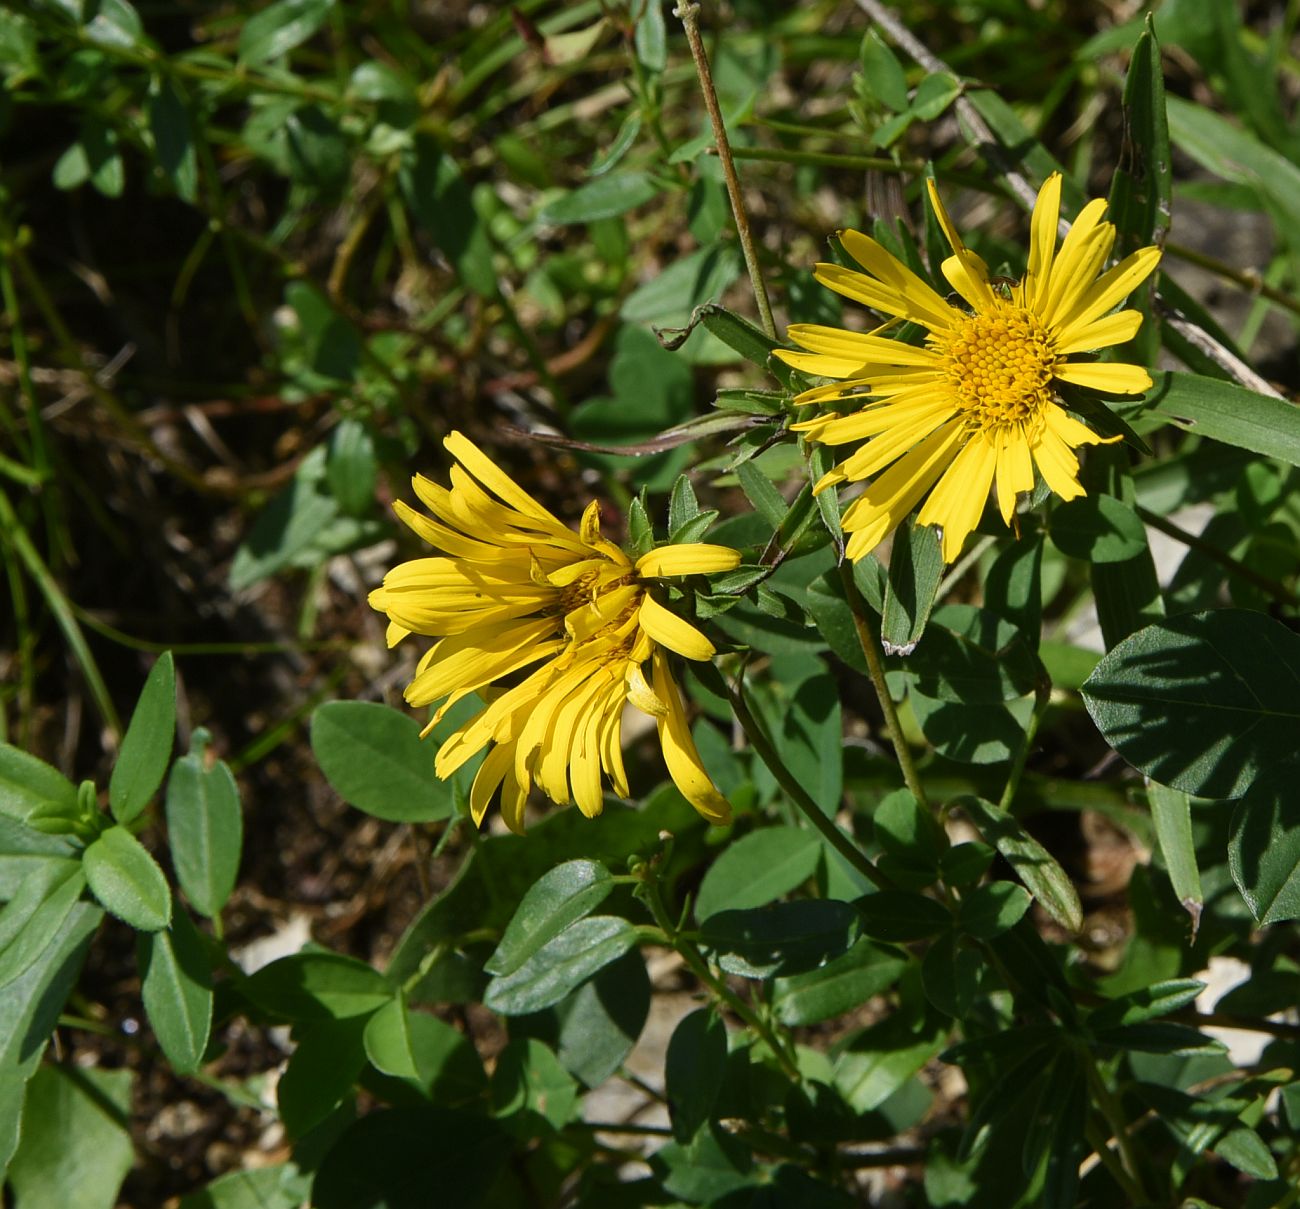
{"x":689,"y":13}
{"x":871,"y":651}
{"x":799,"y":795}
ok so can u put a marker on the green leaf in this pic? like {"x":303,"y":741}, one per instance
{"x":898,"y":915}
{"x":116,"y":23}
{"x":704,"y":1172}
{"x":350,"y":468}
{"x":1247,"y":1152}
{"x":374,"y":759}
{"x":1140,"y":191}
{"x":425,"y":1051}
{"x":176,"y":986}
{"x":1204,"y":702}
{"x":1098,"y":528}
{"x":1147,"y":1003}
{"x":560,"y":965}
{"x":205,"y":827}
{"x":964,"y":864}
{"x":173,"y":139}
{"x":909,"y":835}
{"x":1264,"y":851}
{"x":147,"y":748}
{"x":1038,"y":868}
{"x":970,"y":655}
{"x":697,"y":1057}
{"x":671,"y":297}
{"x":280,"y":27}
{"x":882,"y":73}
{"x":608,"y":156}
{"x":1171,"y":812}
{"x":127,"y":880}
{"x":29,"y":785}
{"x":435,"y":190}
{"x":934,"y":94}
{"x":972,"y":734}
{"x":600,"y":1022}
{"x":318,"y":986}
{"x":606,"y":196}
{"x":915,"y":568}
{"x":883,"y":1057}
{"x":736,"y":332}
{"x":321,"y":1072}
{"x":1229,"y":413}
{"x":287,"y":527}
{"x":1157,"y":1037}
{"x":33,"y":920}
{"x":651,"y":38}
{"x":782,"y":938}
{"x":758,"y":869}
{"x":838,"y":987}
{"x":257,"y":1188}
{"x":768,"y":502}
{"x":75,"y":1149}
{"x":395,"y":1158}
{"x":23,"y":852}
{"x":29,"y":1011}
{"x":528,"y":1078}
{"x":988,"y":911}
{"x":950,"y":975}
{"x":558,"y":899}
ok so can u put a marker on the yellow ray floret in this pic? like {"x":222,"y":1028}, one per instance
{"x":975,"y":408}
{"x":566,"y":619}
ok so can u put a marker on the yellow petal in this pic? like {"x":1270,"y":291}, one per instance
{"x":1107,"y":291}
{"x":1057,"y":464}
{"x":641,"y":694}
{"x":1042,"y":239}
{"x":501,"y":485}
{"x":914,"y":304}
{"x":859,"y":346}
{"x":680,"y":754}
{"x":671,"y":631}
{"x":1015,"y":471}
{"x":1083,"y":252}
{"x":916,"y":297}
{"x":1101,"y":333}
{"x":488,"y":780}
{"x":1113,"y":378}
{"x":891,"y":496}
{"x":958,"y":499}
{"x":819,"y":365}
{"x":967,"y":274}
{"x":690,"y":558}
{"x":895,"y":441}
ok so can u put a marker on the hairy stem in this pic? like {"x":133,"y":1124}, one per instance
{"x":690,"y":18}
{"x":798,"y":794}
{"x":871,"y":651}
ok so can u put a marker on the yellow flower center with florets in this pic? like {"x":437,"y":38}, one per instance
{"x":1000,"y":365}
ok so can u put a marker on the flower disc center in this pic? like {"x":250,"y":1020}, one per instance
{"x":1000,"y":365}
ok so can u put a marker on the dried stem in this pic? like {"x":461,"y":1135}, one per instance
{"x":690,"y":18}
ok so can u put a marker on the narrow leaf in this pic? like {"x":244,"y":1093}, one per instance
{"x":205,"y":828}
{"x":127,"y":880}
{"x":555,"y":901}
{"x":177,"y":992}
{"x":147,"y":748}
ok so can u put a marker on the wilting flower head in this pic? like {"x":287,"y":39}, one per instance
{"x":568,"y":617}
{"x":977,"y":404}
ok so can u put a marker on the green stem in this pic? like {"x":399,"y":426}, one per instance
{"x":1042,"y":696}
{"x":1110,"y":1109}
{"x":1225,"y":560}
{"x":691,"y":954}
{"x":689,"y":13}
{"x":799,"y":795}
{"x":1097,"y":1140}
{"x":871,"y":651}
{"x":58,"y":604}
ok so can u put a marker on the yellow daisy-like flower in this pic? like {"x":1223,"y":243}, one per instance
{"x":976,"y":405}
{"x":567,"y":618}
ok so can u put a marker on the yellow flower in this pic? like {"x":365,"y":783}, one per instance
{"x":977,"y":404}
{"x":567,"y":620}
